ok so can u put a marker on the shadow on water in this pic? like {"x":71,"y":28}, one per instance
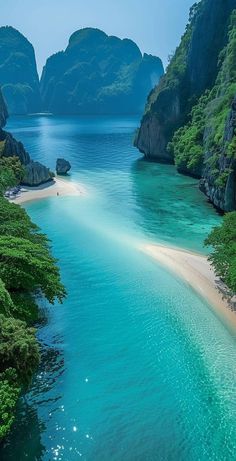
{"x":25,"y":438}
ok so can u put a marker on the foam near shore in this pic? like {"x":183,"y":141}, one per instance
{"x":196,"y":270}
{"x":56,"y":187}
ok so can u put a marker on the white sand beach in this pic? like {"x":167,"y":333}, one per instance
{"x":196,"y":270}
{"x":58,"y":187}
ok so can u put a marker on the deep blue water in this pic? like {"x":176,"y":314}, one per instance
{"x":136,"y":366}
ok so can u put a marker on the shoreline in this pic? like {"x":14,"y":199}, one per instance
{"x":57,"y":187}
{"x":193,"y":268}
{"x":197,"y":272}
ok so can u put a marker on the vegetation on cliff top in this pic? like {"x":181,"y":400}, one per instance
{"x":176,"y":69}
{"x":27,"y":272}
{"x":206,"y":127}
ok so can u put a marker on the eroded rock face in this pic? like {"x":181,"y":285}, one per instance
{"x":208,"y":39}
{"x":62,"y":166}
{"x":3,"y":111}
{"x":223,"y":197}
{"x":13,"y":148}
{"x":151,"y":138}
{"x":36,"y":174}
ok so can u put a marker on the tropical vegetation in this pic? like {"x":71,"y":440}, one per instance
{"x":223,"y":257}
{"x":205,"y":129}
{"x":28,"y":272}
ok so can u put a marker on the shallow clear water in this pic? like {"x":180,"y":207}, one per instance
{"x":135,"y":365}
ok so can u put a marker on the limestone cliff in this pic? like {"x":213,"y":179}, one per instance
{"x":3,"y":111}
{"x":220,"y":185}
{"x":35,"y":173}
{"x":188,"y":114}
{"x":98,"y":74}
{"x":18,"y":73}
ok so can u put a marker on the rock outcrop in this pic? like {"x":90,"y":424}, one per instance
{"x":13,"y":148}
{"x":36,"y":174}
{"x":98,"y":74}
{"x":18,"y":73}
{"x":222,"y":195}
{"x":188,"y":118}
{"x":3,"y":112}
{"x":62,"y":166}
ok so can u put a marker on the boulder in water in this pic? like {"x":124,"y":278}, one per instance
{"x":62,"y":166}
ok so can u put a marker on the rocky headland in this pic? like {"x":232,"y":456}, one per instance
{"x":190,"y":116}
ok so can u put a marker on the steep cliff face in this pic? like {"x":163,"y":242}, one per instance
{"x":219,"y":183}
{"x":188,"y":114}
{"x":18,"y":73}
{"x":208,"y":38}
{"x":35,"y":173}
{"x":3,"y":111}
{"x":98,"y":74}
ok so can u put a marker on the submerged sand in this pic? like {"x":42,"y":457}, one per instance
{"x":196,"y":270}
{"x":193,"y":268}
{"x":56,"y":188}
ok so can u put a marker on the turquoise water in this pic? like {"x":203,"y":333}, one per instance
{"x":135,"y":365}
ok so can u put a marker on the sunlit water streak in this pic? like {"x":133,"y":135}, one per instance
{"x":135,"y":365}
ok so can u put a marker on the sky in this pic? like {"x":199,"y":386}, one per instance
{"x":155,"y":25}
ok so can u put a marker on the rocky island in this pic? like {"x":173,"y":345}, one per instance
{"x":98,"y":74}
{"x":19,"y":79}
{"x":62,"y":166}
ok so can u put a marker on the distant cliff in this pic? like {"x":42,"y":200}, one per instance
{"x":35,"y":173}
{"x":98,"y":74}
{"x":18,"y":73}
{"x":190,"y":117}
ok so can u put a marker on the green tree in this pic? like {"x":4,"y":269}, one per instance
{"x":6,"y":304}
{"x":14,"y":221}
{"x":223,"y":257}
{"x":11,"y":172}
{"x":18,"y":348}
{"x":9,"y":394}
{"x":28,"y":267}
{"x":7,"y":179}
{"x":13,"y":164}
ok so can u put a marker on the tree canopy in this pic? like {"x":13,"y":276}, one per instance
{"x":27,"y":271}
{"x":223,"y":257}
